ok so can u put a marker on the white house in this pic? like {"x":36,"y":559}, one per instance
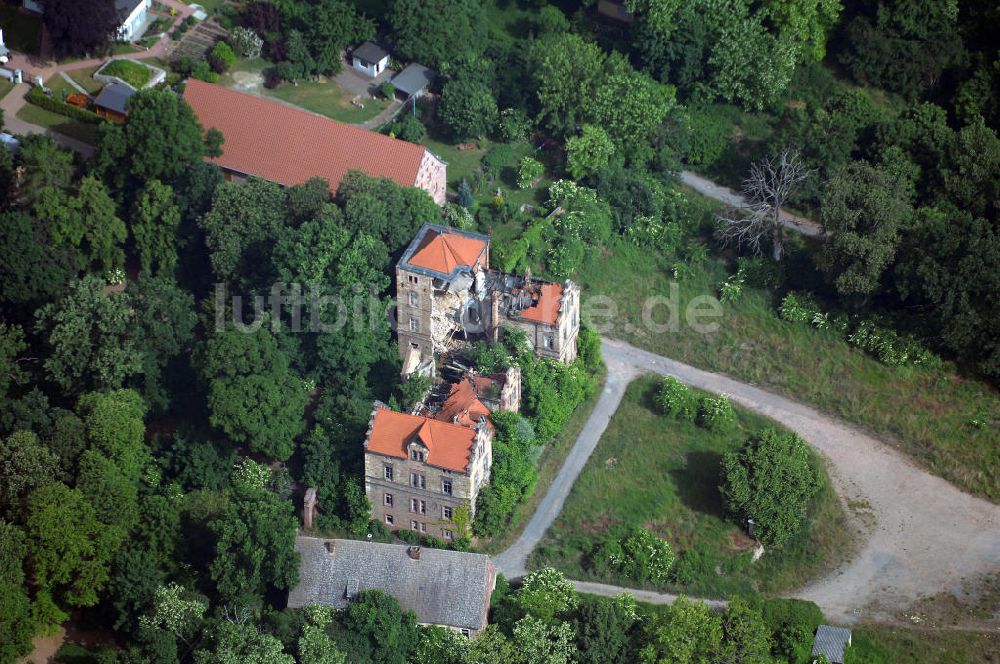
{"x":132,"y":13}
{"x":370,"y":59}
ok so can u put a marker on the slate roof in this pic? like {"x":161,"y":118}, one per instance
{"x":832,"y":642}
{"x":270,"y":140}
{"x":441,"y":251}
{"x":126,"y":7}
{"x":370,"y":52}
{"x":448,"y":445}
{"x":442,"y":587}
{"x":114,"y":97}
{"x":414,"y":78}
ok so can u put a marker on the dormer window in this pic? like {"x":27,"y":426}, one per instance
{"x":416,"y":455}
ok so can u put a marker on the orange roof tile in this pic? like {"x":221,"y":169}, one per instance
{"x":270,"y":140}
{"x":443,"y":252}
{"x":546,"y":310}
{"x":448,"y":445}
{"x":463,"y":405}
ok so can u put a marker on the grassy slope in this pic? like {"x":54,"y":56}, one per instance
{"x":663,"y":474}
{"x":925,"y":413}
{"x":85,"y":79}
{"x":877,"y":644}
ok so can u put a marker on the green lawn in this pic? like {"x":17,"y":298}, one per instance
{"x":59,"y":123}
{"x":134,"y":74}
{"x":22,"y":31}
{"x":85,"y":79}
{"x":5,"y":87}
{"x":880,"y":644}
{"x":548,"y":464}
{"x":662,"y":474}
{"x":927,"y":414}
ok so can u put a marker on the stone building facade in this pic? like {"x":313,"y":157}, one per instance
{"x":420,"y":470}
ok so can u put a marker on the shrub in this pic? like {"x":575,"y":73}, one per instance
{"x":514,"y":125}
{"x":457,"y":216}
{"x":498,"y":157}
{"x":387,"y":89}
{"x":409,"y":128}
{"x":40,"y":99}
{"x":677,"y":400}
{"x":222,"y":57}
{"x":889,"y":346}
{"x":246,"y":42}
{"x":528,"y":171}
{"x":203,"y":72}
{"x":759,"y":273}
{"x":710,"y":135}
{"x":798,"y":308}
{"x":732,"y":288}
{"x":465,"y":198}
{"x":716,"y":413}
{"x":770,"y":480}
{"x":639,"y":555}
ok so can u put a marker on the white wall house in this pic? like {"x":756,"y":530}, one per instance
{"x":370,"y":59}
{"x":133,"y":14}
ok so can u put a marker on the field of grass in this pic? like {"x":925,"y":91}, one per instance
{"x":927,"y":414}
{"x":22,"y":31}
{"x":5,"y":87}
{"x":81,"y":131}
{"x":663,"y":474}
{"x":548,"y":464}
{"x":880,"y":644}
{"x":85,"y":79}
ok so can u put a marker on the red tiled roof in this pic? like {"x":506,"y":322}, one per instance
{"x":448,"y":445}
{"x":463,"y":405}
{"x":273,"y":141}
{"x":443,"y":252}
{"x":546,"y":310}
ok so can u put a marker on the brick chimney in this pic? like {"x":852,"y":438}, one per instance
{"x":494,"y":316}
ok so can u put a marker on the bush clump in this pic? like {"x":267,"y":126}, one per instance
{"x":677,"y":400}
{"x":716,"y":413}
{"x":637,"y":554}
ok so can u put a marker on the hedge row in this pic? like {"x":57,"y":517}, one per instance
{"x":39,"y":98}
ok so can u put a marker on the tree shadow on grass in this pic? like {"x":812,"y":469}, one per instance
{"x":698,"y":482}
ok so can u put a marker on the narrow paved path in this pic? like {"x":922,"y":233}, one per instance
{"x":706,"y":187}
{"x":513,"y":561}
{"x":14,"y":101}
{"x":920,"y":535}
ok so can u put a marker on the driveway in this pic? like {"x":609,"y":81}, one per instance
{"x":706,"y":187}
{"x":919,"y":535}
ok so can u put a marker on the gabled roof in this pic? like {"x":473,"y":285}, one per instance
{"x":370,"y":52}
{"x":442,"y":587}
{"x":463,"y":405}
{"x":831,"y":642}
{"x":270,"y":140}
{"x":546,"y":310}
{"x":444,"y":250}
{"x":114,"y":97}
{"x":414,"y":78}
{"x":448,"y":445}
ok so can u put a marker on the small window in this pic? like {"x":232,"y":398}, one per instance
{"x":448,"y":535}
{"x":416,"y":455}
{"x":547,"y":340}
{"x":417,"y":480}
{"x":413,"y":525}
{"x":388,"y":471}
{"x":423,"y":527}
{"x":413,"y":298}
{"x":412,"y":279}
{"x":423,"y":507}
{"x":413,"y":504}
{"x":414,"y":324}
{"x":466,"y":632}
{"x":388,"y":500}
{"x":414,"y":346}
{"x":446,"y":512}
{"x":446,"y":487}
{"x":388,"y":519}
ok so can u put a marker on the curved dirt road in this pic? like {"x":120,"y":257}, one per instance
{"x":922,"y":535}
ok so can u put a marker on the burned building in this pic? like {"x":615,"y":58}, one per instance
{"x":445,"y":290}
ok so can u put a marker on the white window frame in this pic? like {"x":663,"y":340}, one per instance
{"x":388,"y":500}
{"x":413,"y":298}
{"x":446,"y":487}
{"x":387,"y":471}
{"x":388,"y":520}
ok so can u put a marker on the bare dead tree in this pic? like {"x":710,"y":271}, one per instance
{"x":768,"y":187}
